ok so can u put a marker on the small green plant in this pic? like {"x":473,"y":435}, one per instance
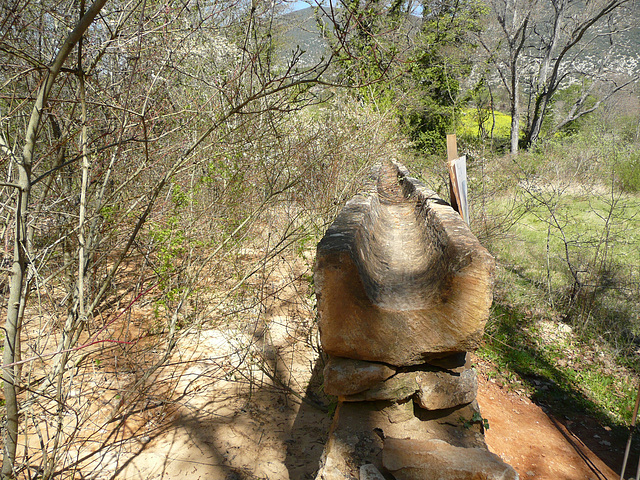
{"x":476,"y":419}
{"x":109,"y":212}
{"x":333,"y":404}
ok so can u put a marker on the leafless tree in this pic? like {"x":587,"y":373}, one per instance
{"x":138,"y":152}
{"x":547,"y":45}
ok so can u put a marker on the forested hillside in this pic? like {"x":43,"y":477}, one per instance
{"x":168,"y":168}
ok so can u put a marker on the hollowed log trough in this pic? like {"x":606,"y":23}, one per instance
{"x":400,"y":278}
{"x":404,"y":290}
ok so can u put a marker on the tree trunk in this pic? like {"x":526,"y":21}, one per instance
{"x":18,"y":273}
{"x":515,"y":115}
{"x":536,"y":122}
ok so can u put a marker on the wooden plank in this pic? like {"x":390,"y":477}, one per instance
{"x":452,"y":147}
{"x":460,"y":169}
{"x":452,"y":154}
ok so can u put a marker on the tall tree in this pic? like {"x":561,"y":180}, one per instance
{"x":441,"y":60}
{"x":560,"y":50}
{"x":548,"y":43}
{"x":411,"y":55}
{"x":513,"y":17}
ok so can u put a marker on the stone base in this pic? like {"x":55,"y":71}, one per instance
{"x":409,"y":459}
{"x":433,"y":387}
{"x":359,"y":430}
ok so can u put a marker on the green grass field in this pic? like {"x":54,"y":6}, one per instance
{"x":470,"y":120}
{"x":576,"y":353}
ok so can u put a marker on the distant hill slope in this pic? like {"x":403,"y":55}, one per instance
{"x":300,"y":29}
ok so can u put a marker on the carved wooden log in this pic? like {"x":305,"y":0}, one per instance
{"x":400,"y":278}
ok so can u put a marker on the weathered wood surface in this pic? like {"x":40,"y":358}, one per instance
{"x":400,"y":278}
{"x":404,"y":289}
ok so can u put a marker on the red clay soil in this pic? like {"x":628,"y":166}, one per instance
{"x":542,"y":447}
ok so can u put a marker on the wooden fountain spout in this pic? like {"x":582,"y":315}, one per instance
{"x":400,"y":277}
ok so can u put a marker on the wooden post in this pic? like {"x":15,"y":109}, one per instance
{"x":452,"y":147}
{"x":631,"y":429}
{"x":452,"y":154}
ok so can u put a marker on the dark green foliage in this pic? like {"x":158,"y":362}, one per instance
{"x":439,"y":62}
{"x":410,"y":64}
{"x":428,"y":121}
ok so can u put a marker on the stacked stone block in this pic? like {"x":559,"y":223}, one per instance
{"x":404,"y":290}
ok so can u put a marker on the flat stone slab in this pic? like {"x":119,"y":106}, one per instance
{"x":411,"y":459}
{"x":358,"y":429}
{"x":399,"y":387}
{"x":345,"y":376}
{"x":400,"y":278}
{"x":439,"y":390}
{"x":431,"y":389}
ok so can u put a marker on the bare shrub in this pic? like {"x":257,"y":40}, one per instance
{"x":169,"y":182}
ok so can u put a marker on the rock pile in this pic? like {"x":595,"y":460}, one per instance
{"x":404,"y":290}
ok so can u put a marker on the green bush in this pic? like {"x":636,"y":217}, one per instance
{"x":628,"y":172}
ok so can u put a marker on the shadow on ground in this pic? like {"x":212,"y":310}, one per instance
{"x":242,"y":423}
{"x":309,"y":430}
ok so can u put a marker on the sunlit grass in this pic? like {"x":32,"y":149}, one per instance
{"x":470,"y":119}
{"x":564,"y":373}
{"x":588,"y":367}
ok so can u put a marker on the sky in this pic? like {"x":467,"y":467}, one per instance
{"x":299,"y":5}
